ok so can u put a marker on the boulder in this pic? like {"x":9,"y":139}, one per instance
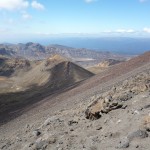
{"x":146,"y":123}
{"x":97,"y":108}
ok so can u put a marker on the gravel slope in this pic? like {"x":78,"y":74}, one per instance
{"x":68,"y":128}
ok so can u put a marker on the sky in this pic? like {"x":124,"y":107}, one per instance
{"x":92,"y":18}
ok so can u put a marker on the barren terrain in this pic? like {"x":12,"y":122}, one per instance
{"x":59,"y":121}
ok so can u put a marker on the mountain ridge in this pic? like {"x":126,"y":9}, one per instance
{"x":36,"y":51}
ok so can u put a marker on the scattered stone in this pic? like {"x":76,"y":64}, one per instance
{"x":71,"y":129}
{"x":27,"y":126}
{"x":115,"y":135}
{"x":124,"y":143}
{"x":61,"y":142}
{"x":106,"y":120}
{"x":136,"y":112}
{"x":108,"y":99}
{"x":36,"y":133}
{"x":146,"y":106}
{"x":72,"y":122}
{"x":137,"y":134}
{"x":27,"y":146}
{"x":49,"y":121}
{"x":51,"y":140}
{"x":18,"y":139}
{"x":40,"y":144}
{"x":3,"y":146}
{"x":139,"y":88}
{"x":31,"y":144}
{"x":124,"y":106}
{"x":108,"y":134}
{"x":118,"y":121}
{"x":125,"y":96}
{"x":143,"y":87}
{"x":93,"y":148}
{"x":96,"y":139}
{"x":146,"y":123}
{"x":98,"y":128}
{"x":6,"y":145}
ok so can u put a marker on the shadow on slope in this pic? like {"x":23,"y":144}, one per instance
{"x":64,"y":75}
{"x":9,"y":65}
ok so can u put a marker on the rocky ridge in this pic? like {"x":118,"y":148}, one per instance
{"x":113,"y":99}
{"x":36,"y":51}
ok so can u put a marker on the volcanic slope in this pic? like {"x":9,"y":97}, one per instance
{"x":26,"y":87}
{"x":9,"y":65}
{"x":103,"y":65}
{"x":59,"y":121}
{"x":55,"y":71}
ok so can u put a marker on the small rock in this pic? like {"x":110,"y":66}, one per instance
{"x":71,"y":129}
{"x":124,"y":106}
{"x":98,"y":128}
{"x":51,"y":140}
{"x":115,"y":135}
{"x":105,"y":121}
{"x":146,"y":123}
{"x":30,"y":144}
{"x":72,"y":122}
{"x":124,"y":143}
{"x":6,"y":145}
{"x":41,"y":144}
{"x":27,"y":126}
{"x":60,"y":148}
{"x":3,"y":146}
{"x":61,"y":142}
{"x":108,"y":99}
{"x":137,"y":134}
{"x":18,"y":139}
{"x":136,"y":112}
{"x":36,"y":133}
{"x":118,"y":121}
{"x":146,"y":106}
{"x":126,"y":96}
{"x":49,"y":120}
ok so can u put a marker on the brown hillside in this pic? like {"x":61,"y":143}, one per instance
{"x":42,"y":80}
{"x":8,"y":66}
{"x":104,"y":65}
{"x":113,"y":73}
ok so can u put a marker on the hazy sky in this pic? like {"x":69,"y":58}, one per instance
{"x":33,"y":18}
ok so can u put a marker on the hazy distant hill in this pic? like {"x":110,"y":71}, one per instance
{"x":35,"y":51}
{"x":5,"y":51}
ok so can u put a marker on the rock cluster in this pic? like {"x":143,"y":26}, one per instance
{"x":113,"y":99}
{"x":96,"y":109}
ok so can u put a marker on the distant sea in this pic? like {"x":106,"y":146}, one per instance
{"x":122,"y":45}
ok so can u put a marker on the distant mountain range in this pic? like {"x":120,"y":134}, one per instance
{"x":36,"y":51}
